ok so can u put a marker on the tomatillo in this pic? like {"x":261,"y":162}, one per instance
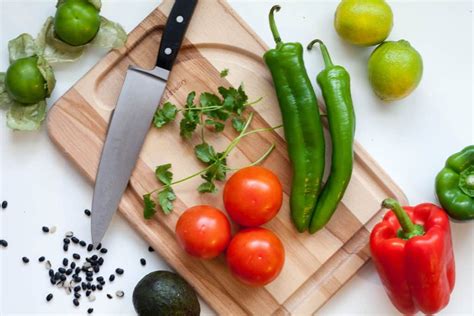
{"x":76,"y":22}
{"x":24,"y":81}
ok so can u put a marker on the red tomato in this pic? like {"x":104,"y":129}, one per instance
{"x":253,"y":196}
{"x":203,"y":231}
{"x":255,"y":256}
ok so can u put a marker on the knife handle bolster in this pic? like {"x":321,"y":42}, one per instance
{"x":174,"y":31}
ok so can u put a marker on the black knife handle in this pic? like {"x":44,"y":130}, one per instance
{"x":173,"y":34}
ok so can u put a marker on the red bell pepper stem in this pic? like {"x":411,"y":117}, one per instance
{"x":409,"y":229}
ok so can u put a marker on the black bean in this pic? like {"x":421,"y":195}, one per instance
{"x":63,"y":277}
{"x":69,"y":271}
{"x":100,"y":279}
{"x":90,"y":247}
{"x":77,"y":279}
{"x":25,"y":259}
{"x":4,"y":204}
{"x":119,"y":271}
{"x":76,"y":256}
{"x":83,"y":286}
{"x":89,"y":286}
{"x":150,"y":249}
{"x":41,"y":259}
{"x":51,"y":273}
{"x":75,"y":302}
{"x":100,"y":261}
{"x":87,"y":212}
{"x":82,"y":243}
{"x":65,"y":247}
{"x":77,"y":295}
{"x":98,"y":246}
{"x":100,"y":287}
{"x":109,"y":296}
{"x":143,"y":261}
{"x":96,"y":269}
{"x":94,"y":258}
{"x":75,"y":240}
{"x":53,"y":281}
{"x":90,"y":279}
{"x":78,"y":270}
{"x":73,"y":265}
{"x":3,"y":243}
{"x":90,"y":311}
{"x":49,"y":297}
{"x":88,"y":292}
{"x":89,"y":273}
{"x":93,"y":287}
{"x":77,"y":288}
{"x":61,"y":270}
{"x":103,"y":250}
{"x":65,"y":262}
{"x":45,"y":229}
{"x":57,"y":275}
{"x":67,"y":241}
{"x":112,"y":277}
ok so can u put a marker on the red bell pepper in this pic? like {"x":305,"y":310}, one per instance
{"x":412,"y":251}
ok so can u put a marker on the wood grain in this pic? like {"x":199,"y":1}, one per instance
{"x":316,"y":265}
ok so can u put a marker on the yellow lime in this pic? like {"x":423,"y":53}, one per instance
{"x":395,"y":70}
{"x":363,"y":22}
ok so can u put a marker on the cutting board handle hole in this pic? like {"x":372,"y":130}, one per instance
{"x":179,"y":19}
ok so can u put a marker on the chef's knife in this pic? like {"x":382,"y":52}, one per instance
{"x":141,"y":93}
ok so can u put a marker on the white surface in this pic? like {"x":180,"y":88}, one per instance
{"x":410,"y":139}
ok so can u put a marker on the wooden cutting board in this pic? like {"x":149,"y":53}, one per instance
{"x":316,"y":265}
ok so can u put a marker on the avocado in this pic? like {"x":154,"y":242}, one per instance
{"x":165,"y":293}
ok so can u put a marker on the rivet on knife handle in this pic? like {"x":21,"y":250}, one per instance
{"x":175,"y":29}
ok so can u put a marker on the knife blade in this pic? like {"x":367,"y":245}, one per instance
{"x":141,"y":93}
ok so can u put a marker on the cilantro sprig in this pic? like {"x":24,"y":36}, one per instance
{"x":209,"y":110}
{"x":216,"y":170}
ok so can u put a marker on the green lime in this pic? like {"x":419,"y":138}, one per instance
{"x":395,"y":70}
{"x":363,"y":22}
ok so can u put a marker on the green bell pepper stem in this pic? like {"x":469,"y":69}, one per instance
{"x":273,"y":27}
{"x":409,"y":229}
{"x":324,"y":51}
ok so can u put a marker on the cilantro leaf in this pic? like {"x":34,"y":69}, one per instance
{"x":165,"y":114}
{"x":224,"y":72}
{"x":209,"y":99}
{"x":163,"y":174}
{"x":218,"y":126}
{"x":205,"y":153}
{"x":234,"y":99}
{"x":238,"y":123}
{"x":190,"y":119}
{"x":207,"y":187}
{"x":150,"y":206}
{"x":165,"y":199}
{"x":190,"y":99}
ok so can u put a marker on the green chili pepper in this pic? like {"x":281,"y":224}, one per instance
{"x":334,"y":82}
{"x":302,"y":124}
{"x":455,"y":185}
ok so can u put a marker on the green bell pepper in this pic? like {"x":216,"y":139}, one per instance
{"x":455,"y":185}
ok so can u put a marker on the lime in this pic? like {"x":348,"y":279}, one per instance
{"x":363,"y":22}
{"x":395,"y":70}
